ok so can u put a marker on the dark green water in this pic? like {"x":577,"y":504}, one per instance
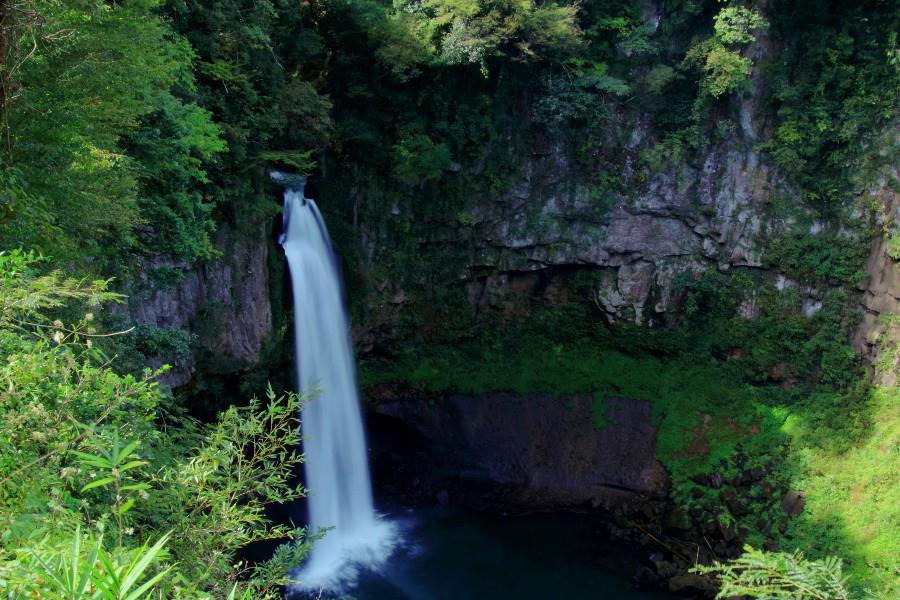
{"x":453,"y":555}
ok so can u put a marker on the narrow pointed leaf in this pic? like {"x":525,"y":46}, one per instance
{"x":98,"y":483}
{"x":142,"y":561}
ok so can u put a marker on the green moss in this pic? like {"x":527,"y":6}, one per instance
{"x":683,"y":394}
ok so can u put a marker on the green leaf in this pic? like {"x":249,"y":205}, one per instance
{"x":143,"y":560}
{"x":126,"y":506}
{"x":135,"y":487}
{"x":138,"y":593}
{"x":126,"y":451}
{"x":98,"y":483}
{"x":93,"y":460}
{"x":131,"y":465}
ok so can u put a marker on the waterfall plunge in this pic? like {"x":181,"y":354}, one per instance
{"x":337,"y":471}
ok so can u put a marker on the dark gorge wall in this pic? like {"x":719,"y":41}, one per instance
{"x":510,"y":447}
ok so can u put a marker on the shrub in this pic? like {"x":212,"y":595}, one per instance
{"x":106,"y":489}
{"x":725,"y":69}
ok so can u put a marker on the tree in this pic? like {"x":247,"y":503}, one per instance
{"x":725,"y":69}
{"x":474,"y":31}
{"x":80,"y":79}
{"x":259,"y":65}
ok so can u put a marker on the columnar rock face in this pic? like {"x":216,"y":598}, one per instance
{"x":688,"y":220}
{"x":544,"y":451}
{"x":719,"y":210}
{"x":680,"y":217}
{"x":224,"y":302}
{"x":878,"y":335}
{"x":680,"y":214}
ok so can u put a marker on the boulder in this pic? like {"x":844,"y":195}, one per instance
{"x":679,"y":519}
{"x":733,"y":502}
{"x":692,"y":584}
{"x":792,"y":503}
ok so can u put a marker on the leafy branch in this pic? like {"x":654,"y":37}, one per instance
{"x":779,"y":576}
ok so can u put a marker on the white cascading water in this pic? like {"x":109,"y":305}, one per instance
{"x":337,"y":470}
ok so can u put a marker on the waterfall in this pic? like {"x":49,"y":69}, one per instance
{"x":337,"y":470}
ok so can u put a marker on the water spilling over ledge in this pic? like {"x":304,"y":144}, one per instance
{"x":337,"y":471}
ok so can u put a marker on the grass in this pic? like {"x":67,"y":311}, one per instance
{"x":850,"y":473}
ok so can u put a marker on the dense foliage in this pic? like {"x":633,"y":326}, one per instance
{"x":108,"y":489}
{"x":99,"y":155}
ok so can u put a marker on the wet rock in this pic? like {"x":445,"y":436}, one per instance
{"x":792,"y":503}
{"x":735,"y":505}
{"x":646,"y":577}
{"x":728,"y":532}
{"x":692,"y":583}
{"x":665,"y":569}
{"x":678,"y":519}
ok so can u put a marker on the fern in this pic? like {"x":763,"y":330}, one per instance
{"x":779,"y":575}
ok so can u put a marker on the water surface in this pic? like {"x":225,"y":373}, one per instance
{"x":447,"y":554}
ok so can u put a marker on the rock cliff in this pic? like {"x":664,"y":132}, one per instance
{"x":686,"y":218}
{"x":878,"y":335}
{"x":223,"y":302}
